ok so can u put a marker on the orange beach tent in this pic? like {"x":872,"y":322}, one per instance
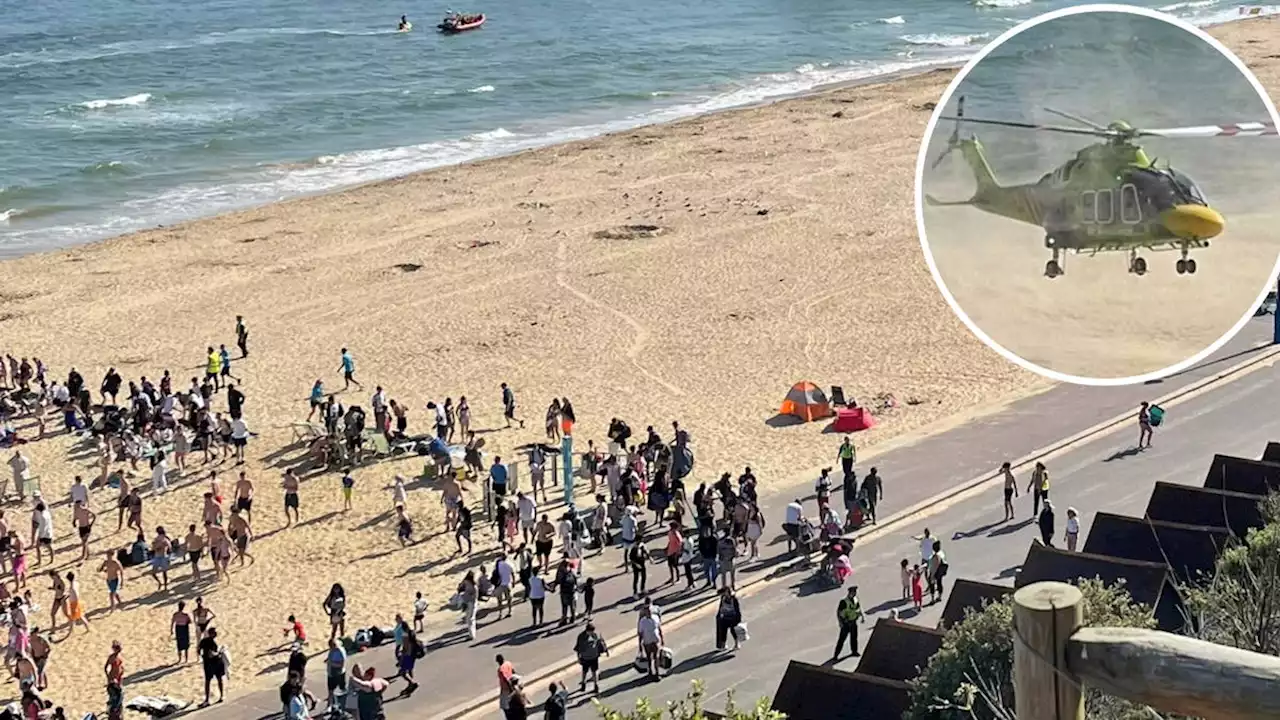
{"x":807,"y":402}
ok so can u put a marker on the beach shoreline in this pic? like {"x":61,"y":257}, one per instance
{"x":689,"y":271}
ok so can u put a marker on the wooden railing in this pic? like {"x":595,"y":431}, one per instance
{"x":1055,"y":657}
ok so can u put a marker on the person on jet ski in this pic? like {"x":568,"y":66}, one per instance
{"x":404,"y":23}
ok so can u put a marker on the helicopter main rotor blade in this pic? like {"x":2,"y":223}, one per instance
{"x":1247,"y":129}
{"x":1030,"y":126}
{"x":1076,"y":118}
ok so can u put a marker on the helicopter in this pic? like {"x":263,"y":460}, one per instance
{"x":1111,"y":197}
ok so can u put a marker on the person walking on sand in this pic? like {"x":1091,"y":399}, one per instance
{"x":509,"y":406}
{"x":213,"y":367}
{"x":1039,"y":488}
{"x":42,"y":531}
{"x":349,"y":371}
{"x":114,"y":571}
{"x":59,"y":602}
{"x":225,"y":362}
{"x":213,"y":660}
{"x":244,"y":496}
{"x":180,"y":632}
{"x":242,"y":336}
{"x":113,"y":668}
{"x":291,"y":503}
{"x":241,"y":535}
{"x":1010,"y":490}
{"x":83,"y":518}
{"x":1145,"y":431}
{"x":160,"y":549}
{"x":335,"y":606}
{"x":75,"y":604}
{"x":316,"y":399}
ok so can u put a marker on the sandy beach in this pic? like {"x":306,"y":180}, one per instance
{"x":783,"y":249}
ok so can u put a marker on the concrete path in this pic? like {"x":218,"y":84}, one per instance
{"x":457,"y":675}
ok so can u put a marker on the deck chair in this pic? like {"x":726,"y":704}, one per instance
{"x":837,"y":396}
{"x":378,"y":443}
{"x":30,"y":486}
{"x":305,"y":431}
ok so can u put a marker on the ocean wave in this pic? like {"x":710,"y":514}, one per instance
{"x":131,"y":101}
{"x":107,"y":167}
{"x":895,"y":20}
{"x":1214,"y":16}
{"x":9,"y":214}
{"x":482,"y":89}
{"x":1188,"y":5}
{"x":943,"y":40}
{"x":329,"y":172}
{"x":1001,"y":3}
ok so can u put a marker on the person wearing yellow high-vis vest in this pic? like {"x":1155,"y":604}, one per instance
{"x":849,"y":616}
{"x":848,"y":455}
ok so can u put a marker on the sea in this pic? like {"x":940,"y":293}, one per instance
{"x":119,"y":115}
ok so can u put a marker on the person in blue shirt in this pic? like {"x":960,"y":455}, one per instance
{"x":317,"y":398}
{"x":498,"y":478}
{"x":349,"y":370}
{"x":226,"y":364}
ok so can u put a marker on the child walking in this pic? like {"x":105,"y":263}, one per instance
{"x":588,"y":596}
{"x":348,"y":489}
{"x":917,"y":587}
{"x":906,"y":579}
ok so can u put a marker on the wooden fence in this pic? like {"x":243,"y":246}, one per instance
{"x":1055,"y":657}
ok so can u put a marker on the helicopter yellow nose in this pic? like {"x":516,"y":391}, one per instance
{"x":1194,"y":222}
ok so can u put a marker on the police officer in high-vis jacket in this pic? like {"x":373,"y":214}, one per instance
{"x":848,"y":615}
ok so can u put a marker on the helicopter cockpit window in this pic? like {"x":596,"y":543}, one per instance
{"x":1188,"y":188}
{"x":1156,"y":188}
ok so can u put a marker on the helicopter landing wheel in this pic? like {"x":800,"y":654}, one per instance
{"x":1052,"y":269}
{"x":1191,"y":267}
{"x":1182,"y":267}
{"x":1138,"y":266}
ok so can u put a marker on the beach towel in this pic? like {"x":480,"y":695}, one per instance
{"x":162,"y":706}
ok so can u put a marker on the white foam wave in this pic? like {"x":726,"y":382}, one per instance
{"x":482,"y":89}
{"x":1187,"y":5}
{"x":943,"y":40}
{"x":1204,"y":16}
{"x":335,"y":171}
{"x":10,"y":213}
{"x":895,"y":20}
{"x":1001,"y":3}
{"x":131,"y":101}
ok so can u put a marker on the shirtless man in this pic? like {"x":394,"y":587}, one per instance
{"x":83,"y":519}
{"x":241,"y":534}
{"x":543,"y":541}
{"x":211,"y":514}
{"x":115,"y":578}
{"x":244,"y":496}
{"x":161,"y":547}
{"x":290,"y":486}
{"x":40,"y":652}
{"x":59,"y":588}
{"x":451,"y":498}
{"x":194,"y":543}
{"x":122,"y":501}
{"x":219,"y":550}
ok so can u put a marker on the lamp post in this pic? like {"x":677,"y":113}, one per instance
{"x":566,"y":449}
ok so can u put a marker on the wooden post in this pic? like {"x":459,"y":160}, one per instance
{"x":1177,"y":674}
{"x":1045,"y":615}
